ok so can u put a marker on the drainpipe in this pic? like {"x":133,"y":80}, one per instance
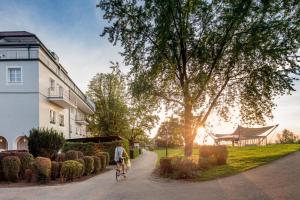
{"x":69,"y":118}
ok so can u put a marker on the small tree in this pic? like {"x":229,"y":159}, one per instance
{"x":45,"y":142}
{"x":171,"y":130}
{"x":287,"y":137}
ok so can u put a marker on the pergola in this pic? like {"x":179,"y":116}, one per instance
{"x":243,"y":136}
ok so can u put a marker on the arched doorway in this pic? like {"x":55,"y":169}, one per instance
{"x":22,"y":143}
{"x":3,"y":144}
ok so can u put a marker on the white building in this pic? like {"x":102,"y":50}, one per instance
{"x":36,"y":91}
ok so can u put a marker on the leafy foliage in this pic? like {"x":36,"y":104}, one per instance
{"x":89,"y":165}
{"x":97,"y":164}
{"x":108,"y":93}
{"x":287,"y":137}
{"x":171,"y":132}
{"x":70,"y":170}
{"x":203,"y":57}
{"x":45,"y":142}
{"x":42,"y":168}
{"x":88,"y":149}
{"x":11,"y":167}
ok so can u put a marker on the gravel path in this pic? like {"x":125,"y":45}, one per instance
{"x":278,"y":180}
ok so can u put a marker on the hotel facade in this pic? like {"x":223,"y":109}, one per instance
{"x":36,"y":91}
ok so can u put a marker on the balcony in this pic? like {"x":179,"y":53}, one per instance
{"x":62,"y":98}
{"x":18,"y":54}
{"x":81,"y":120}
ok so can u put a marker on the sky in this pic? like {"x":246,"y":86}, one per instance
{"x":72,"y":28}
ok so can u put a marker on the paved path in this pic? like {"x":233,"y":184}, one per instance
{"x":279,"y":180}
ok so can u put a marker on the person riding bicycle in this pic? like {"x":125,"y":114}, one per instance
{"x":120,"y":155}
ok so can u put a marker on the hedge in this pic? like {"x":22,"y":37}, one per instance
{"x":55,"y":171}
{"x":212,"y":155}
{"x":89,"y":164}
{"x":11,"y":168}
{"x":88,"y":149}
{"x":97,"y":164}
{"x":134,"y":153}
{"x":42,"y":168}
{"x":70,"y":170}
{"x":110,"y":148}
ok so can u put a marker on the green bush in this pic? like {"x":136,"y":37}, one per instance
{"x":110,"y":148}
{"x":221,"y":154}
{"x":42,"y":168}
{"x":83,"y":164}
{"x":212,"y":155}
{"x":73,"y":155}
{"x":89,"y":165}
{"x":45,"y":142}
{"x":70,"y":170}
{"x":165,"y":166}
{"x":206,"y":151}
{"x":54,"y":170}
{"x":183,"y":168}
{"x":104,"y":157}
{"x":103,"y":160}
{"x":97,"y":164}
{"x":88,"y":149}
{"x":26,"y":162}
{"x":11,"y":168}
{"x":134,"y":153}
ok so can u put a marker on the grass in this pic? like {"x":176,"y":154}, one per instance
{"x":239,"y":158}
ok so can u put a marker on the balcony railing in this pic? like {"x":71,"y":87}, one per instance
{"x":18,"y":54}
{"x":61,"y":97}
{"x":80,"y":119}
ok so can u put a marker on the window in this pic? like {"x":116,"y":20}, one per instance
{"x":14,"y":75}
{"x":52,"y":117}
{"x":52,"y":84}
{"x":61,"y":120}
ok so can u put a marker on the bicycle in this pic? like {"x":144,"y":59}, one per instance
{"x":119,"y":172}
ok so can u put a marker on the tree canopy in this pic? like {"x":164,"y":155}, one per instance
{"x":200,"y":56}
{"x":169,"y":134}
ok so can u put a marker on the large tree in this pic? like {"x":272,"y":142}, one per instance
{"x":108,"y":92}
{"x":202,"y":56}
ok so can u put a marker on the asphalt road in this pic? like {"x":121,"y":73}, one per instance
{"x":277,"y":180}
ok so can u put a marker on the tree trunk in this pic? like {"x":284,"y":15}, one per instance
{"x":188,"y":132}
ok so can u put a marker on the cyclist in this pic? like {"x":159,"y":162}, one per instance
{"x":120,"y":155}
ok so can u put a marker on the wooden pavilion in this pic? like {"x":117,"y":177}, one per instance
{"x":243,"y":136}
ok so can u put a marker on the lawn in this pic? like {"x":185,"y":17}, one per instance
{"x":239,"y":158}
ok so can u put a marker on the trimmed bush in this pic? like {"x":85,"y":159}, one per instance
{"x":70,"y":170}
{"x":11,"y":168}
{"x":104,"y":157}
{"x":212,"y":155}
{"x":71,"y":155}
{"x":165,"y":166}
{"x":80,"y":154}
{"x":83,"y":164}
{"x":89,"y":165}
{"x":110,"y":148}
{"x":26,"y":162}
{"x":183,"y":168}
{"x":45,"y":142}
{"x":103,"y":161}
{"x":206,"y":151}
{"x":221,"y":154}
{"x":42,"y":168}
{"x":97,"y":164}
{"x":54,"y":170}
{"x":134,"y":153}
{"x":88,"y":149}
